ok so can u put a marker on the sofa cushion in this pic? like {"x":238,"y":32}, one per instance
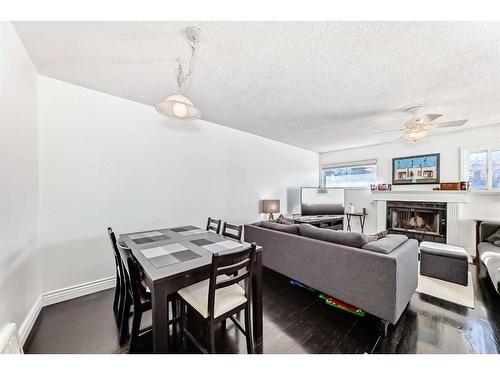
{"x":387,"y":244}
{"x":494,"y":237}
{"x":341,"y":237}
{"x":287,"y":228}
{"x":486,"y":247}
{"x":490,"y":256}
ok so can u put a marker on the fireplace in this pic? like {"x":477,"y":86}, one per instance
{"x":424,"y":221}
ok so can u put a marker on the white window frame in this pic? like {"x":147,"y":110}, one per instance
{"x":348,"y":164}
{"x":464,"y":165}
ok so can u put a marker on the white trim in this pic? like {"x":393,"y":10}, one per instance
{"x":29,"y":321}
{"x":60,"y":295}
{"x":459,"y":196}
{"x":75,"y":291}
{"x":355,"y":163}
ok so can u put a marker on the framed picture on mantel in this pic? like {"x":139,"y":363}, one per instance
{"x":414,"y":170}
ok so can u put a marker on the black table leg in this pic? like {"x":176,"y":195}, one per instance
{"x":160,"y":318}
{"x":348,"y":222}
{"x":257,"y":310}
{"x":362,"y":223}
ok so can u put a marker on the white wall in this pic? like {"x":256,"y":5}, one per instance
{"x":109,"y":161}
{"x":20,"y":279}
{"x":448,"y":145}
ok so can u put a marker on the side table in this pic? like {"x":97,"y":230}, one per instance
{"x":362,"y":217}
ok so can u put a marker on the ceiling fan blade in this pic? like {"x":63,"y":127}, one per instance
{"x":449,"y":124}
{"x":428,"y":118}
{"x":389,"y":131}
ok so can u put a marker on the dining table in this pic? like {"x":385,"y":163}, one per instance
{"x":173,"y":258}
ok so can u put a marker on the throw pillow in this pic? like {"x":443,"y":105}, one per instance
{"x":283,"y":220}
{"x":341,"y":237}
{"x":387,"y":244}
{"x":494,"y":237}
{"x":377,"y":236}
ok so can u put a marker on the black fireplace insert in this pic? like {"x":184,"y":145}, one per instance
{"x":424,"y":221}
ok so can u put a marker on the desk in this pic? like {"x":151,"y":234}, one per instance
{"x":186,"y":255}
{"x":362,"y":217}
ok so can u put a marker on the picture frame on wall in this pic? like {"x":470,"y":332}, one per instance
{"x":416,"y":170}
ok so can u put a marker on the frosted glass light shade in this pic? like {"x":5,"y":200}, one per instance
{"x":179,"y":107}
{"x":415,"y":135}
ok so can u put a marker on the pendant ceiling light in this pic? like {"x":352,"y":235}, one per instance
{"x":178,"y":106}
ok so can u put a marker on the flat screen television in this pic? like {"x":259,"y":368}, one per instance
{"x":321,"y":201}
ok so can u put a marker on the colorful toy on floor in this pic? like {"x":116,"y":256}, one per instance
{"x":298,"y":283}
{"x":342,"y":305}
{"x":330,"y":301}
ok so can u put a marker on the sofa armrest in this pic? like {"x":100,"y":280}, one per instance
{"x":406,"y":257}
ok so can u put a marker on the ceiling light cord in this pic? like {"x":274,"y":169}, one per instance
{"x":182,"y":79}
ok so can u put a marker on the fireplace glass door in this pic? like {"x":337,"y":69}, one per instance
{"x":417,"y":220}
{"x":424,"y":221}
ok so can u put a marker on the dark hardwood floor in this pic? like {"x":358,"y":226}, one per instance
{"x":295,"y":321}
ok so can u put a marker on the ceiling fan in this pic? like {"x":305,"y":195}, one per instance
{"x":418,"y":127}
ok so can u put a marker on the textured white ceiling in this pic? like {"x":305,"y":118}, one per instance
{"x":317,"y":85}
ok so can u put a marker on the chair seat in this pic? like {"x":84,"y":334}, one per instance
{"x":226,"y":298}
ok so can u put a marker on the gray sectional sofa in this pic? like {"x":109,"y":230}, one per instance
{"x":489,"y":252}
{"x":379,"y":277}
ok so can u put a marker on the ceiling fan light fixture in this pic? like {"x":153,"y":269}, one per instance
{"x":415,"y":135}
{"x":178,"y":107}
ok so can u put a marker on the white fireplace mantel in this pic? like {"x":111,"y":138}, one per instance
{"x":449,"y":196}
{"x":454,"y":200}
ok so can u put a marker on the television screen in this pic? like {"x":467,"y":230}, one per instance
{"x":321,"y":201}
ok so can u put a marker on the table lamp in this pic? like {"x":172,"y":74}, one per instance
{"x":270,"y":206}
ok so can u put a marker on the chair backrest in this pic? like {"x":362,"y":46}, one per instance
{"x":232,"y":231}
{"x":225,"y":264}
{"x":116,"y":252}
{"x":122,"y":255}
{"x":214,"y":225}
{"x":135,"y":282}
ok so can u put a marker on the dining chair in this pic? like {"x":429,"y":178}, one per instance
{"x":137,"y":300}
{"x":220,"y":297}
{"x":120,"y":283}
{"x":140,"y":299}
{"x":232,"y":231}
{"x":213,"y":225}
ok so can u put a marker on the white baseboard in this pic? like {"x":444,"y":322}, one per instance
{"x":27,"y":324}
{"x":60,"y":295}
{"x":64,"y":294}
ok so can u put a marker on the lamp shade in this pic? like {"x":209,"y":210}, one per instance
{"x":270,"y":206}
{"x":179,"y":107}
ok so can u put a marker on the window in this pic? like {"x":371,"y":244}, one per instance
{"x":353,"y":174}
{"x":481,"y":166}
{"x":478,"y":169}
{"x":495,"y":169}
